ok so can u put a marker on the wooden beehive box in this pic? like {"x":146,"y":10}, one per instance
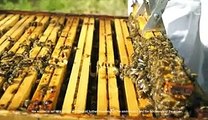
{"x":65,"y":66}
{"x":71,"y":67}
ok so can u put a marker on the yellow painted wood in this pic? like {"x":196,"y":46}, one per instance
{"x":5,"y":99}
{"x":114,"y":107}
{"x":25,"y":36}
{"x":130,"y":93}
{"x":7,"y":96}
{"x":10,"y":91}
{"x":18,"y":98}
{"x":38,"y":30}
{"x":102,"y":43}
{"x":128,"y":42}
{"x":62,"y":38}
{"x":52,"y":38}
{"x":2,"y":16}
{"x":12,"y":30}
{"x":7,"y":43}
{"x":85,"y":70}
{"x":5,"y":19}
{"x":22,"y":39}
{"x":121,"y":43}
{"x":43,"y":38}
{"x":102,"y":103}
{"x":59,"y":73}
{"x":21,"y":78}
{"x":73,"y":80}
{"x":24,"y":89}
{"x":56,"y":81}
{"x":9,"y":23}
{"x":132,"y":104}
{"x":109,"y":42}
{"x":16,"y":34}
{"x":43,"y":84}
{"x":45,"y":79}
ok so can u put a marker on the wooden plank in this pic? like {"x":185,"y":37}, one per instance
{"x":130,"y":93}
{"x":59,"y":73}
{"x":22,"y":39}
{"x":26,"y":85}
{"x":16,"y":35}
{"x":44,"y":37}
{"x":2,"y":16}
{"x":62,"y":38}
{"x":71,"y":88}
{"x":10,"y":91}
{"x":12,"y":30}
{"x":38,"y":30}
{"x":25,"y":36}
{"x":128,"y":42}
{"x":24,"y":89}
{"x":109,"y":42}
{"x":84,"y":78}
{"x":5,"y":99}
{"x":40,"y":27}
{"x":9,"y":23}
{"x":102,"y":103}
{"x":114,"y":107}
{"x":51,"y":40}
{"x":5,"y":19}
{"x":102,"y":43}
{"x":121,"y":43}
{"x":45,"y":79}
{"x":41,"y":89}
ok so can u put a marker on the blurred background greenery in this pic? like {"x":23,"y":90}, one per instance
{"x":107,"y":7}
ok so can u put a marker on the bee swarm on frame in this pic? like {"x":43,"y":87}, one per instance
{"x":159,"y":74}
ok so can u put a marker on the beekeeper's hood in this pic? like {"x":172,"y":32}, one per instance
{"x":185,"y":22}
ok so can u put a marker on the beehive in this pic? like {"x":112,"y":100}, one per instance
{"x":64,"y":66}
{"x":72,"y":69}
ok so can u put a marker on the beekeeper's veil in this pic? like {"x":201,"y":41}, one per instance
{"x":185,"y":24}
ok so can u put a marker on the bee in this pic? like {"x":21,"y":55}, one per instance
{"x":158,"y":72}
{"x":8,"y":55}
{"x":43,"y":89}
{"x":26,"y":103}
{"x":5,"y":85}
{"x":52,"y":89}
{"x":65,"y":47}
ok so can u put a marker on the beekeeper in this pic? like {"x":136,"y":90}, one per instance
{"x":185,"y":23}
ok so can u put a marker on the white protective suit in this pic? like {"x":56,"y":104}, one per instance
{"x":185,"y":23}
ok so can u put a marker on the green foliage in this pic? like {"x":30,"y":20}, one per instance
{"x":19,"y":5}
{"x":109,"y":7}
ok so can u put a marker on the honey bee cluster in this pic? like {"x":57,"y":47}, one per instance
{"x":13,"y":65}
{"x":159,"y":74}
